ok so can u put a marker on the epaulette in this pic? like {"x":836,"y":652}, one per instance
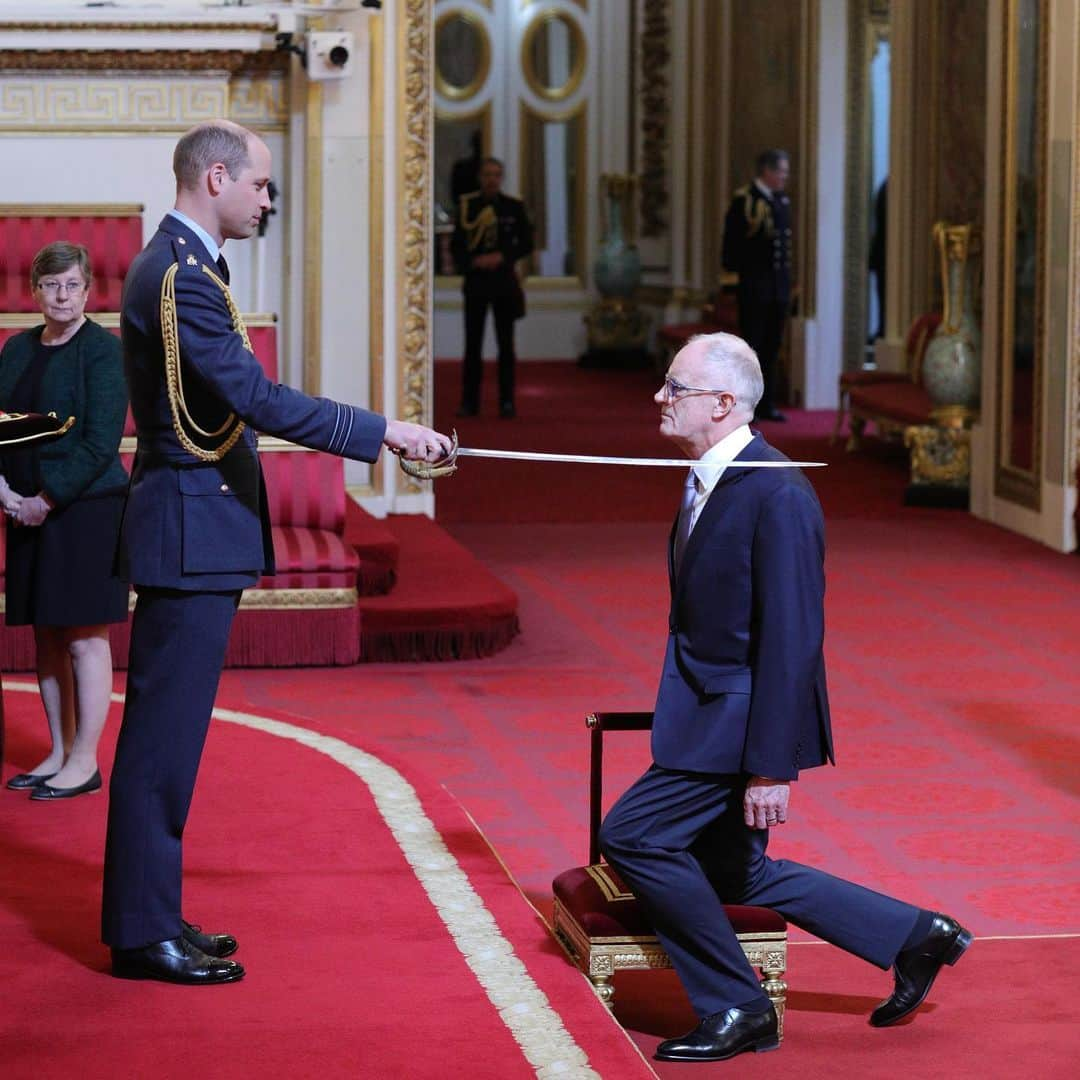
{"x":186,"y":259}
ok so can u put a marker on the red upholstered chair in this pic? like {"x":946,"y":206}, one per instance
{"x":111,"y":233}
{"x":918,"y":337}
{"x":603,"y":927}
{"x":892,"y":400}
{"x":719,"y":313}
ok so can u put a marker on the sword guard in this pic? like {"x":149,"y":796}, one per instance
{"x":431,"y":470}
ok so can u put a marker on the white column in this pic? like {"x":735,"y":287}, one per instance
{"x":819,"y":340}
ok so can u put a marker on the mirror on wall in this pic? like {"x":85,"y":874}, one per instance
{"x":552,"y":185}
{"x":462,"y":55}
{"x":553,"y":56}
{"x":1024,"y":180}
{"x":461,"y":140}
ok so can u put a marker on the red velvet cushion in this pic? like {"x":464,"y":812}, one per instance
{"x":680,"y":333}
{"x":596,"y":898}
{"x":871,"y":378}
{"x":305,"y":488}
{"x":904,"y":402}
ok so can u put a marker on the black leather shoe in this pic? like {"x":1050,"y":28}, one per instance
{"x":219,"y":945}
{"x":507,"y":410}
{"x":24,"y":780}
{"x":723,"y":1035}
{"x":174,"y":961}
{"x":916,"y":968}
{"x":46,"y":791}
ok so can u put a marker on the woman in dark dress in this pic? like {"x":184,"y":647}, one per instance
{"x":63,"y":501}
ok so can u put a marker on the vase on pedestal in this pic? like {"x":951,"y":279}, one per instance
{"x":940,"y":451}
{"x":617,"y":328}
{"x":951,"y":371}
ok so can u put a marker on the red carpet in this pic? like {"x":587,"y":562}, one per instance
{"x":954,"y":685}
{"x":351,"y":970}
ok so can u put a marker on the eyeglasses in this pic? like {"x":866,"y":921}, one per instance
{"x":673,"y":389}
{"x":53,"y":287}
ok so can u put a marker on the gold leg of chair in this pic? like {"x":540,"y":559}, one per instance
{"x":858,"y":426}
{"x":773,"y":984}
{"x":604,"y":990}
{"x":841,"y":412}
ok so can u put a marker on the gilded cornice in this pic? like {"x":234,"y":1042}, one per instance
{"x":231,"y":61}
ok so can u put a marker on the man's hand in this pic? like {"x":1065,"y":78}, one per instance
{"x":416,"y":442}
{"x":33,"y":510}
{"x":765,"y":802}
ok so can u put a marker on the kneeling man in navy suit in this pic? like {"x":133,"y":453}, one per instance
{"x":742,"y":707}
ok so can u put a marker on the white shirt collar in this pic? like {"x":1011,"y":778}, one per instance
{"x":729,"y":447}
{"x":209,"y":242}
{"x":764,"y":189}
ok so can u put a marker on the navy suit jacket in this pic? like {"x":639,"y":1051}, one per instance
{"x":189,"y":524}
{"x":743,"y":683}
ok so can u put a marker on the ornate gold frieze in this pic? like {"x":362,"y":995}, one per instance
{"x":414,"y":240}
{"x":231,"y":61}
{"x":655,"y":108}
{"x":126,"y":103}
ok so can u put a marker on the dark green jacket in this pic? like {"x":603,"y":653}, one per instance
{"x":85,"y":379}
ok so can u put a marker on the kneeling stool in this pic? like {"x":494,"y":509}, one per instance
{"x":602,"y":925}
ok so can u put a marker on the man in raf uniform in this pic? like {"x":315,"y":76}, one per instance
{"x":757,"y":247}
{"x":491,"y":233}
{"x":196,"y":531}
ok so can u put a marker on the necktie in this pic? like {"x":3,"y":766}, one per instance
{"x":223,"y":268}
{"x":686,"y":514}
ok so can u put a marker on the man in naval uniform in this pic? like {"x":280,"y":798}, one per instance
{"x":757,"y":247}
{"x":196,"y":531}
{"x":491,"y":233}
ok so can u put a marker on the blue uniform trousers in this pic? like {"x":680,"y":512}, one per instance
{"x":679,"y":841}
{"x":178,"y":642}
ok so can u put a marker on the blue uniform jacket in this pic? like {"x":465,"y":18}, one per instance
{"x":189,"y":524}
{"x":743,"y":683}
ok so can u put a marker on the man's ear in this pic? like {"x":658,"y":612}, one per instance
{"x":216,"y":177}
{"x":725,"y":402}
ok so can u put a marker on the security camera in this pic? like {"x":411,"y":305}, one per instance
{"x":330,"y":54}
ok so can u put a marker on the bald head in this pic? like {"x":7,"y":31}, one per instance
{"x":728,"y":361}
{"x":216,"y":142}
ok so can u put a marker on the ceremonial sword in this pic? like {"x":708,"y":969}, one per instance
{"x":445,"y":466}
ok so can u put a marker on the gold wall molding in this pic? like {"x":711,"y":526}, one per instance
{"x":313,"y":225}
{"x":868,"y":26}
{"x":119,"y":103}
{"x":655,"y":109}
{"x":376,"y":241}
{"x":143,"y":60}
{"x":414,"y":242}
{"x":1012,"y":482}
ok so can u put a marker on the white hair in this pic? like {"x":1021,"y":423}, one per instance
{"x":737,"y":364}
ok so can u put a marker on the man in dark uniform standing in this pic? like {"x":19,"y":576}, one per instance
{"x":757,"y":247}
{"x":491,"y":233}
{"x":196,"y":531}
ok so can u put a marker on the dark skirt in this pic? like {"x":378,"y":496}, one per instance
{"x":60,"y":574}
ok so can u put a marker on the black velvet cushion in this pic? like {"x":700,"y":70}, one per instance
{"x":17,"y":428}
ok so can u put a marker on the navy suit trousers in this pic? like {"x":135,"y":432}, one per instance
{"x":178,"y":642}
{"x":679,"y":841}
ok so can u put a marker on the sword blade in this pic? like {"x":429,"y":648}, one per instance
{"x":662,"y":463}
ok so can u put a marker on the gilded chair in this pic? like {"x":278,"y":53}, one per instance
{"x":603,"y":927}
